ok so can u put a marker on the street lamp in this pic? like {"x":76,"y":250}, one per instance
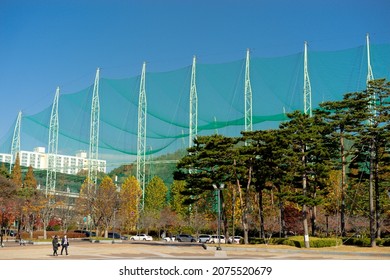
{"x":2,"y":227}
{"x":219,"y":188}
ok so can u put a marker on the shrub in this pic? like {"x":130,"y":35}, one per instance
{"x":365,"y":241}
{"x":297,"y":241}
{"x":386,"y":242}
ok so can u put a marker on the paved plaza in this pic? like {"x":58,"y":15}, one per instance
{"x":160,"y":250}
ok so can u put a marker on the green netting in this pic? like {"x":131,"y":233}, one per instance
{"x":277,"y":86}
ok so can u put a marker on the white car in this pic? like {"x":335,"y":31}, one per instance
{"x":169,"y":239}
{"x":234,"y":240}
{"x":142,"y":236}
{"x":215,"y":239}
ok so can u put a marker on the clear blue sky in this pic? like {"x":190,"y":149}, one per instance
{"x":45,"y":44}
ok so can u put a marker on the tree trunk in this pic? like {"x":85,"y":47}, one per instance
{"x":261,"y":213}
{"x":244,"y":205}
{"x":313,"y":220}
{"x":305,"y":227}
{"x":371,"y":196}
{"x":244,"y":219}
{"x":223,"y":217}
{"x":304,"y":211}
{"x":377,"y":197}
{"x":283,"y":231}
{"x":343,"y":176}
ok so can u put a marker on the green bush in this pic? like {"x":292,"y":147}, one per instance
{"x":365,"y":241}
{"x":386,"y":242}
{"x":297,"y":241}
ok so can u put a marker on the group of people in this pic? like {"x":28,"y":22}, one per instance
{"x":56,"y":244}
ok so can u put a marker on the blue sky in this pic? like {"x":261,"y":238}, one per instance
{"x":45,"y":44}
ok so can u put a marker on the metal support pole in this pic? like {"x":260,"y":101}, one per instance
{"x":218,"y":188}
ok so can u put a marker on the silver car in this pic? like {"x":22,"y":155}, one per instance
{"x":185,"y":238}
{"x":204,"y":238}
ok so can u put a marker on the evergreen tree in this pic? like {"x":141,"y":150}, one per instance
{"x":346,"y":117}
{"x":372,"y":148}
{"x":307,"y":161}
{"x":209,"y":162}
{"x":264,"y":145}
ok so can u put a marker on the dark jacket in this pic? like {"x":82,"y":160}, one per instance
{"x":55,"y":243}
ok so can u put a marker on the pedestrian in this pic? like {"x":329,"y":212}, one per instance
{"x":64,"y":244}
{"x":56,"y":244}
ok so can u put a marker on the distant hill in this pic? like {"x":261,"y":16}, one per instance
{"x":162,"y":166}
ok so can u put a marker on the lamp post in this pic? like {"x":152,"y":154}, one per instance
{"x":2,"y":227}
{"x":219,"y":188}
{"x":113,"y":228}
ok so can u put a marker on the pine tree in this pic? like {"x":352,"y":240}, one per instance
{"x":346,"y":117}
{"x":307,"y":161}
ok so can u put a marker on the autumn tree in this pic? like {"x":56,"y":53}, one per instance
{"x":28,"y":199}
{"x":177,"y":199}
{"x":7,"y":201}
{"x":107,"y":202}
{"x":16,"y":173}
{"x":87,"y":205}
{"x":4,"y":171}
{"x":155,"y":199}
{"x":130,"y":199}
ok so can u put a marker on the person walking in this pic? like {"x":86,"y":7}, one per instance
{"x":64,"y":244}
{"x":55,"y":243}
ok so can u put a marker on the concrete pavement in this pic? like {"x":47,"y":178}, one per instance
{"x":84,"y":250}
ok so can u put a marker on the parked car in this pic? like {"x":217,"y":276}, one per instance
{"x":87,"y":233}
{"x":204,"y":238}
{"x":234,"y":240}
{"x":185,"y":238}
{"x":214,"y":239}
{"x":169,"y":239}
{"x":9,"y":232}
{"x":142,"y":236}
{"x":116,"y":235}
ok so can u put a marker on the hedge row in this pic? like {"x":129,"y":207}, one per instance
{"x":297,"y":241}
{"x":315,"y":242}
{"x":365,"y":241}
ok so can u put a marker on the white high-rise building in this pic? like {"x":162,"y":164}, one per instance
{"x":65,"y":164}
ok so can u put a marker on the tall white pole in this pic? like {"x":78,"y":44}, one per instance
{"x":52,"y":149}
{"x":141,"y":136}
{"x":248,"y":96}
{"x":193,"y":125}
{"x":94,"y":133}
{"x":15,"y":145}
{"x":306,"y":86}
